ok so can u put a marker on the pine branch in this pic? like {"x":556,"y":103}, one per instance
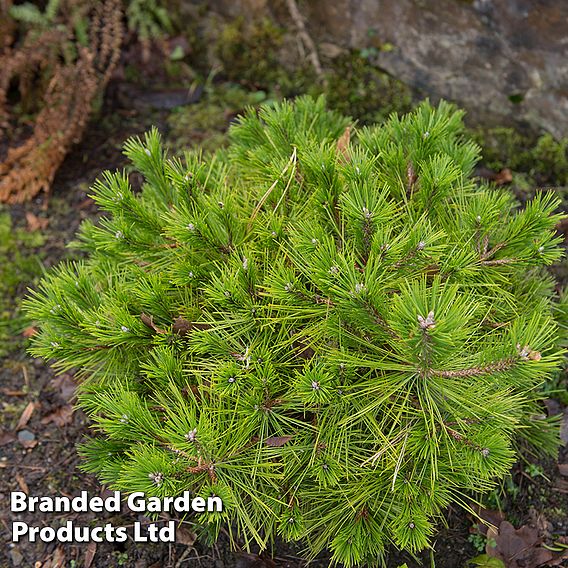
{"x":489,"y":368}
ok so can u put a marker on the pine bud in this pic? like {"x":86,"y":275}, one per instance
{"x":157,"y":478}
{"x":359,"y":288}
{"x":428,"y":322}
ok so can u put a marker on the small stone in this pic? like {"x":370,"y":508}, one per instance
{"x":26,"y":436}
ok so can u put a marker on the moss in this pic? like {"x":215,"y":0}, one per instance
{"x":541,"y":161}
{"x":248,"y":51}
{"x":205,"y":124}
{"x":354,"y":87}
{"x":256,"y":55}
{"x":551,"y":156}
{"x":502,"y":147}
{"x":20,"y":265}
{"x":357,"y":88}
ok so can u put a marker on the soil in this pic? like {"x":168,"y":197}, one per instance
{"x":39,"y":455}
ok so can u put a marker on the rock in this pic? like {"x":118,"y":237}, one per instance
{"x":505,"y":62}
{"x":25,"y":436}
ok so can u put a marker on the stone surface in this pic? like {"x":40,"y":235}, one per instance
{"x":505,"y":61}
{"x":26,"y":436}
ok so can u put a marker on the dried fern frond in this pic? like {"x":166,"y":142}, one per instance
{"x":73,"y":75}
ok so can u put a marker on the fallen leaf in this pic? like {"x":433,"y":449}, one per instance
{"x":411,"y":177}
{"x":29,"y":331}
{"x":277,"y":441}
{"x":6,"y":438}
{"x":517,"y":548}
{"x":183,"y":327}
{"x":61,"y":416}
{"x":342,"y":147}
{"x":490,"y":518}
{"x":563,"y":469}
{"x":35,"y":223}
{"x":65,"y":385}
{"x":26,"y":415}
{"x":185,"y":536}
{"x":303,"y":350}
{"x":90,"y":554}
{"x":148,"y":321}
{"x":504,"y":177}
{"x":22,"y":483}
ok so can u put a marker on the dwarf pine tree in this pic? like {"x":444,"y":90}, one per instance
{"x":339,"y":332}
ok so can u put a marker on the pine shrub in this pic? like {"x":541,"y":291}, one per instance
{"x":340,"y":332}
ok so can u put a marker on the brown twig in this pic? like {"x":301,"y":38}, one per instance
{"x":305,"y":37}
{"x":494,"y":367}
